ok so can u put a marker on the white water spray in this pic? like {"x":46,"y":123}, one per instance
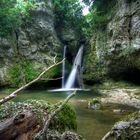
{"x":76,"y":67}
{"x":74,"y":75}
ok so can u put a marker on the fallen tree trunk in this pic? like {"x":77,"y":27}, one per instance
{"x":21,"y":127}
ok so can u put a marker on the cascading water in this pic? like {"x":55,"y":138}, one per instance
{"x":75,"y":69}
{"x":63,"y":68}
{"x":75,"y":75}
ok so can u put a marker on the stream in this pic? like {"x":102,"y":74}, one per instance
{"x":92,"y":124}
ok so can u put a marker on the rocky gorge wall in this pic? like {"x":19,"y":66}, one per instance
{"x":116,"y":47}
{"x":36,"y":42}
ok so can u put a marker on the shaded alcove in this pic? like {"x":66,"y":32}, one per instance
{"x":42,"y":85}
{"x":56,"y":80}
{"x":131,"y":75}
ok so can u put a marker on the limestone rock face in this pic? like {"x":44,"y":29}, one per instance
{"x":6,"y":52}
{"x":123,"y":36}
{"x":69,"y":36}
{"x":36,"y":41}
{"x":117,"y":46}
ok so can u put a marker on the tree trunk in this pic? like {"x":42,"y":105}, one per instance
{"x":20,"y":127}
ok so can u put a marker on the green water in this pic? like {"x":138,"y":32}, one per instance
{"x":91,"y":124}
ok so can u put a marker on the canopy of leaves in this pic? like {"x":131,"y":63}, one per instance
{"x":100,"y":13}
{"x":11,"y":14}
{"x":68,"y":13}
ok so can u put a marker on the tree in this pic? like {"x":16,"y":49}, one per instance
{"x":68,"y":13}
{"x":101,"y":12}
{"x":12,"y":13}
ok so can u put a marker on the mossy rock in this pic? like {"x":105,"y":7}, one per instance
{"x":64,"y":120}
{"x":128,"y":128}
{"x":95,"y":104}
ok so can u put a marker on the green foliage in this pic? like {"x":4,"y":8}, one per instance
{"x":29,"y":72}
{"x":94,"y":69}
{"x":11,"y":14}
{"x":96,"y":19}
{"x":23,"y":72}
{"x":14,"y":74}
{"x":100,"y":14}
{"x":132,"y":116}
{"x":68,"y":13}
{"x":95,"y":72}
{"x":65,"y":120}
{"x":54,"y":72}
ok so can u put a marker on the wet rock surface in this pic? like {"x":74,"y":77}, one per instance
{"x":129,"y":129}
{"x":122,"y":96}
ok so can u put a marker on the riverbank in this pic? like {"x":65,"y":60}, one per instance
{"x":130,"y":97}
{"x":120,"y":93}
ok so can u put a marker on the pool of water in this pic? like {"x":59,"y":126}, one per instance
{"x":92,"y":124}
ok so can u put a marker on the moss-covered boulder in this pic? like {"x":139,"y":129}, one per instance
{"x":95,"y":104}
{"x":64,"y":120}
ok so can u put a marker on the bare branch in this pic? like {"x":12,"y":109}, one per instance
{"x":51,"y":79}
{"x":14,"y":94}
{"x":106,"y":136}
{"x":51,"y":116}
{"x":54,"y":60}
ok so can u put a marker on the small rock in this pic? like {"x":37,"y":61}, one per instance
{"x":117,"y":110}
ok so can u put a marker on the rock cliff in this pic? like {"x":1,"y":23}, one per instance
{"x":116,"y":48}
{"x":36,"y":42}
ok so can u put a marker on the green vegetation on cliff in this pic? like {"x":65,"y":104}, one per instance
{"x":100,"y":14}
{"x":12,"y":13}
{"x":94,"y":69}
{"x":22,"y":73}
{"x":69,"y":13}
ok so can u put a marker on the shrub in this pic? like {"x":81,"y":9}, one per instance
{"x":22,"y":73}
{"x":11,"y":14}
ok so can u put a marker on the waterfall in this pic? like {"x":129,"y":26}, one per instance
{"x":75,"y":69}
{"x":63,"y":68}
{"x":75,"y":74}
